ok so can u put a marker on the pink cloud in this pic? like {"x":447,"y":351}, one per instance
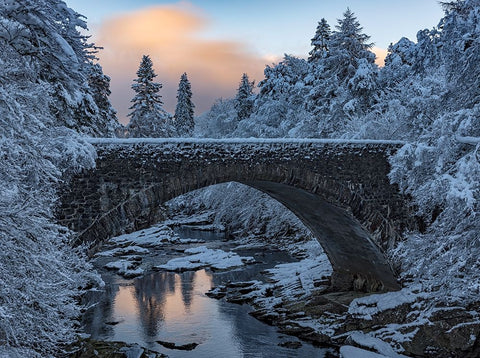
{"x":381,"y":54}
{"x":170,"y":35}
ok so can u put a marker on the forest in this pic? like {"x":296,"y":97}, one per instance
{"x":54,"y":96}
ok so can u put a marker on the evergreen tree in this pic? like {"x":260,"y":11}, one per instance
{"x":244,"y":98}
{"x":46,"y":34}
{"x":99,"y":84}
{"x":279,"y":107}
{"x":320,"y":41}
{"x":348,"y":45}
{"x":346,"y":87}
{"x":148,"y":118}
{"x":184,"y":120}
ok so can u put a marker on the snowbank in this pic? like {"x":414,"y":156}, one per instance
{"x":354,"y":352}
{"x":366,"y":307}
{"x":204,"y":257}
{"x":367,"y":341}
{"x":153,"y":236}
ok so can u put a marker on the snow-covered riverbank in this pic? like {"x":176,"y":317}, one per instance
{"x":161,"y":252}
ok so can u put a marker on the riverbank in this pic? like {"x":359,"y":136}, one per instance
{"x":166,"y":300}
{"x":286,"y":282}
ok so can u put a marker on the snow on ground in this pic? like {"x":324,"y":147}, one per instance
{"x":300,"y":277}
{"x":153,"y":236}
{"x":204,"y":257}
{"x":121,"y":251}
{"x":126,"y":268}
{"x":237,"y":141}
{"x":138,"y":241}
{"x":354,"y":352}
{"x":366,"y":307}
{"x":296,"y":278}
{"x":419,"y":313}
{"x":365,"y":340}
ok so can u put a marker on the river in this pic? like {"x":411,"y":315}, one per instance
{"x":172,"y":307}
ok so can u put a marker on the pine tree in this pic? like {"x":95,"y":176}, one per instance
{"x":345,"y":90}
{"x":320,"y":41}
{"x":184,"y":112}
{"x":148,"y":118}
{"x":99,"y":84}
{"x":347,"y":45}
{"x":47,"y":34}
{"x":244,"y":98}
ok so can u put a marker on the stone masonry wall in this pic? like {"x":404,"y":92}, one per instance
{"x":131,"y":180}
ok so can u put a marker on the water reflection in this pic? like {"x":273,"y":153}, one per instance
{"x":173,"y":307}
{"x":147,"y":303}
{"x":150,"y":294}
{"x":187,"y":288}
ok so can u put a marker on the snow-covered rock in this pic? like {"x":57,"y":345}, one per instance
{"x":204,"y":257}
{"x":354,"y":352}
{"x":367,"y":341}
{"x":125,"y":268}
{"x":153,"y":236}
{"x":121,"y":251}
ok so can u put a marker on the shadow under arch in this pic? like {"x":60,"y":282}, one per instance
{"x":357,"y":262}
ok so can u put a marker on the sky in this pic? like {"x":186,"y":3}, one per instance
{"x":216,"y":41}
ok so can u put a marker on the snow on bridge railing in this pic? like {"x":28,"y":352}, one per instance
{"x":238,"y":141}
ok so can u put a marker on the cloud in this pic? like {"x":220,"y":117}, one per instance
{"x":171,"y":35}
{"x":381,"y":54}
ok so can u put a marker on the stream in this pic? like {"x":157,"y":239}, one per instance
{"x":172,"y":307}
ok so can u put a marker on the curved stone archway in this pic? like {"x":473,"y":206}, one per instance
{"x":314,"y":179}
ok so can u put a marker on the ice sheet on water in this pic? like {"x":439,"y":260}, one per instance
{"x":204,"y":257}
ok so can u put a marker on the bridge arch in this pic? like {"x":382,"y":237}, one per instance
{"x":314,"y":179}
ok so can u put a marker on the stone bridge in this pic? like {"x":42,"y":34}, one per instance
{"x":339,"y":190}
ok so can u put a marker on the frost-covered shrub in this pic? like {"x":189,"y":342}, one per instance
{"x":41,"y":276}
{"x":244,"y":210}
{"x":219,"y":122}
{"x":441,"y":174}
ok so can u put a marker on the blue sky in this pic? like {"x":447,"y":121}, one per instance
{"x":216,"y":41}
{"x":275,"y":27}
